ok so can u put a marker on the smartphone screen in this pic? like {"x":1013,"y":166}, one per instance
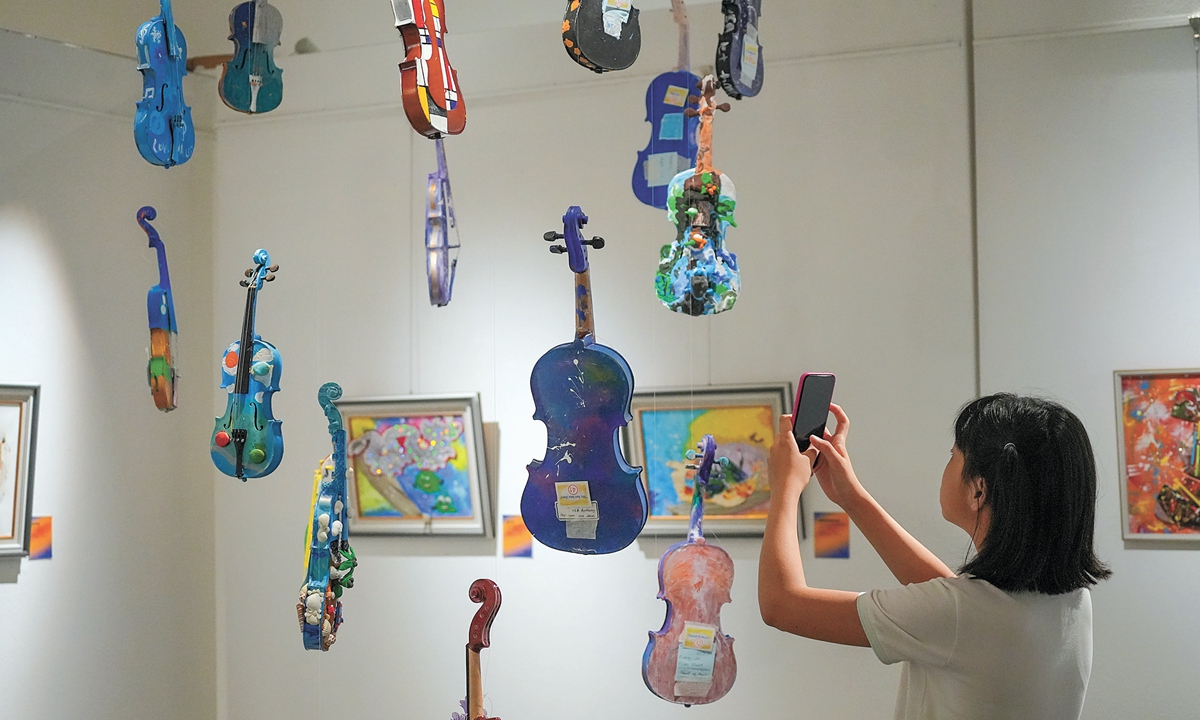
{"x":812,"y":407}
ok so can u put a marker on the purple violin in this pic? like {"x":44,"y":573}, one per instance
{"x":739,"y":54}
{"x":439,"y":221}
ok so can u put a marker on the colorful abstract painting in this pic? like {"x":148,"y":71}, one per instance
{"x":18,"y":440}
{"x":1160,"y":456}
{"x":743,"y":424}
{"x":41,"y":538}
{"x":518,"y":541}
{"x":831,"y":535}
{"x":10,"y":432}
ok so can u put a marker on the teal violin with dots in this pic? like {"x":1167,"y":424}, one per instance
{"x":247,"y":441}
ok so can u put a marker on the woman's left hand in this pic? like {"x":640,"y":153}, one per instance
{"x":787,"y":467}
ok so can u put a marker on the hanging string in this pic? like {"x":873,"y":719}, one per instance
{"x":1194,"y":21}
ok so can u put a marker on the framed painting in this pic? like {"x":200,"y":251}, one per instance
{"x":742,"y":419}
{"x":1158,"y":427}
{"x":18,"y":440}
{"x":418,"y":466}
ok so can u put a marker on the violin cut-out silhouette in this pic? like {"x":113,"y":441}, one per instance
{"x":690,"y":660}
{"x":697,"y":275}
{"x":582,"y":497}
{"x":250,"y":80}
{"x":602,"y":35}
{"x":739,"y":63}
{"x":428,"y":82}
{"x":247,"y":441}
{"x":440,"y":263}
{"x":160,"y":313}
{"x":162,"y":125}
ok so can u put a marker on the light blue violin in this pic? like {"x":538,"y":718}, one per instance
{"x":250,"y":81}
{"x":162,"y":125}
{"x":247,"y":440}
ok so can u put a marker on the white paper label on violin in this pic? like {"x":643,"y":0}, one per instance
{"x":750,"y":55}
{"x":575,"y":501}
{"x":661,"y":168}
{"x":615,"y":14}
{"x":697,"y":655}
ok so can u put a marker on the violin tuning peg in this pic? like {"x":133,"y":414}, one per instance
{"x":271,"y":278}
{"x":596,"y":242}
{"x":249,"y":272}
{"x":558,"y":249}
{"x":724,"y":107}
{"x":244,"y":283}
{"x":551,"y":236}
{"x":690,"y":454}
{"x":690,"y":112}
{"x":274,"y":268}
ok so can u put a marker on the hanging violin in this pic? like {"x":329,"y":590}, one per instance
{"x":160,"y":311}
{"x":250,"y":80}
{"x":486,"y":592}
{"x":439,"y":221}
{"x":672,"y":146}
{"x":247,"y":440}
{"x":602,"y":35}
{"x":162,"y":125}
{"x":697,"y":275}
{"x":328,"y":558}
{"x":690,"y":660}
{"x":582,"y":497}
{"x":739,"y":63}
{"x":428,"y":83}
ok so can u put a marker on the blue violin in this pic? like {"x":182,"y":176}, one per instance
{"x":582,"y":497}
{"x":439,"y":221}
{"x":672,"y":146}
{"x":250,"y":80}
{"x":160,"y":312}
{"x":739,"y":63}
{"x":162,"y":125}
{"x":328,"y":558}
{"x":247,"y":440}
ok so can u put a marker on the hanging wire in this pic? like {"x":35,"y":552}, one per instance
{"x":1194,"y":21}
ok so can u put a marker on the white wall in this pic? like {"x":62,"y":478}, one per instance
{"x":852,"y":178}
{"x":1088,"y":236}
{"x":120,"y":622}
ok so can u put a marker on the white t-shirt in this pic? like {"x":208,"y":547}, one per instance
{"x":974,"y":652}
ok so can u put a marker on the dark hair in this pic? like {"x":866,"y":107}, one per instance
{"x":1036,"y":461}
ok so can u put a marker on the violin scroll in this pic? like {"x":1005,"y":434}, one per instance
{"x":486,"y":592}
{"x":326,"y":395}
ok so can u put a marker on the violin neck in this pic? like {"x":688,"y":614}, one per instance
{"x":685,"y":54}
{"x":696,"y":526}
{"x":441,"y":158}
{"x":164,"y":278}
{"x":584,"y":325}
{"x":246,"y":348}
{"x":474,"y":686}
{"x":704,"y":142}
{"x":169,"y":27}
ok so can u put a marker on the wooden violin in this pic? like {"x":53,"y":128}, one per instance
{"x":602,"y":35}
{"x":697,"y":275}
{"x":160,"y":312}
{"x":440,"y":264}
{"x":690,"y":660}
{"x":672,"y":146}
{"x":247,"y":441}
{"x":486,"y":592}
{"x":428,"y":83}
{"x":250,"y":80}
{"x":162,"y":125}
{"x":739,"y":63}
{"x":582,"y":497}
{"x":329,"y":560}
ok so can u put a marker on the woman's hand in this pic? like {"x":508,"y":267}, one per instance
{"x":834,"y":471}
{"x":787,"y":467}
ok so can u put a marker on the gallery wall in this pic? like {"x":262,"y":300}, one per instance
{"x":119,"y":623}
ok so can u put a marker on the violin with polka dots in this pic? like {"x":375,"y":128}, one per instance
{"x":247,"y":441}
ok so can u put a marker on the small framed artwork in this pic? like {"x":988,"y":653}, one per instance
{"x":18,"y":440}
{"x":418,"y":466}
{"x":1158,"y":427}
{"x":742,"y":419}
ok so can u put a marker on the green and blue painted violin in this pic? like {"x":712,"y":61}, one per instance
{"x":162,"y":125}
{"x":329,"y":560}
{"x":247,"y":440}
{"x":250,"y":80}
{"x":160,"y":312}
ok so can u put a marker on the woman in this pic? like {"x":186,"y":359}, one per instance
{"x":1010,"y":636}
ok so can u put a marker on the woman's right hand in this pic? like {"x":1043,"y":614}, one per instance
{"x":834,"y":471}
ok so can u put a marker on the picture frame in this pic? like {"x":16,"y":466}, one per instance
{"x":18,"y":450}
{"x":1158,"y":424}
{"x":418,"y":466}
{"x":741,"y":418}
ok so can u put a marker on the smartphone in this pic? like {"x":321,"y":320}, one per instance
{"x":813,"y":396}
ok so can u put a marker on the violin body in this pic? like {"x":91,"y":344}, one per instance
{"x":582,"y":496}
{"x":160,"y":313}
{"x":739,"y":65}
{"x":162,"y":124}
{"x":428,"y":82}
{"x":602,"y":35}
{"x":250,"y":81}
{"x":690,"y":661}
{"x":440,"y":264}
{"x":672,"y":146}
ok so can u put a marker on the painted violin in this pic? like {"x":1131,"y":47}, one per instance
{"x":582,"y":497}
{"x":602,"y":35}
{"x":250,"y":80}
{"x":428,"y":83}
{"x":690,"y":660}
{"x":672,"y":146}
{"x":739,"y":63}
{"x":487,"y":593}
{"x":162,"y":125}
{"x":247,"y":441}
{"x":160,"y":312}
{"x":328,"y":558}
{"x":697,"y":275}
{"x":439,"y":221}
